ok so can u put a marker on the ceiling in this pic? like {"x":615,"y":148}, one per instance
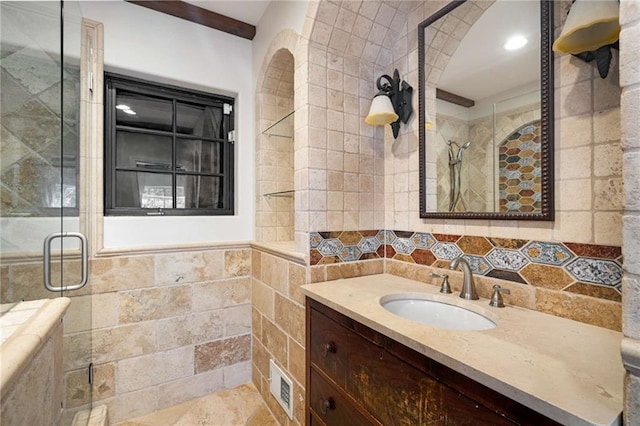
{"x":249,"y":11}
{"x":481,"y":67}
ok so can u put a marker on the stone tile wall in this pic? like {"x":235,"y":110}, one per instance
{"x":587,"y":156}
{"x":275,"y":150}
{"x":40,"y":383}
{"x":160,"y":328}
{"x":630,"y":104}
{"x":32,"y":161}
{"x":278,"y":328}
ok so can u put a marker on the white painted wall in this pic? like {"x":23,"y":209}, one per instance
{"x":154,"y":46}
{"x":280,"y":15}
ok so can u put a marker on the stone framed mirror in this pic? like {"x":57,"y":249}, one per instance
{"x":486,"y":111}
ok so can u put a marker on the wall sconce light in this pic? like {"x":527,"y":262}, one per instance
{"x":590,"y":31}
{"x":392,"y":104}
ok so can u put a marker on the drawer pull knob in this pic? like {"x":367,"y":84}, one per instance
{"x":329,"y":348}
{"x":327,"y":404}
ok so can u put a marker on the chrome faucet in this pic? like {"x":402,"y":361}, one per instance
{"x":468,"y":286}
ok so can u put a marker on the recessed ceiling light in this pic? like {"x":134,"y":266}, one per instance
{"x":123,"y":107}
{"x":515,"y":42}
{"x":129,"y":111}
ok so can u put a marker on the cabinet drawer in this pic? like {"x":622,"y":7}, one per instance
{"x":328,"y":404}
{"x":328,"y":349}
{"x":396,"y":393}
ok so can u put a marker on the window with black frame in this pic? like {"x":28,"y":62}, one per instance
{"x":168,"y":150}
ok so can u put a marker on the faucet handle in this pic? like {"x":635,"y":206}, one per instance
{"x":496,"y":298}
{"x":444,"y":287}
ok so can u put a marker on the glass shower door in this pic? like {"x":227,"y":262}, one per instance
{"x":39,"y":167}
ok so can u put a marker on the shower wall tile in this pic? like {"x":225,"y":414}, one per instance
{"x":110,"y":344}
{"x":219,"y":294}
{"x":190,"y":329}
{"x":148,"y":314}
{"x":121,"y":273}
{"x":182,"y":390}
{"x":237,"y":263}
{"x":237,"y":320}
{"x":154,"y":303}
{"x":149,"y":370}
{"x":188,"y":267}
{"x":130,"y":405}
{"x":222,"y":353}
{"x":91,"y":312}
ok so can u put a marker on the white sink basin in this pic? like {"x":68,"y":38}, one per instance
{"x":423,"y":309}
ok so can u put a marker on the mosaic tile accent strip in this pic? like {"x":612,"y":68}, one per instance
{"x":596,"y":271}
{"x":347,"y":246}
{"x":510,"y":260}
{"x":447,"y":251}
{"x":519,"y":164}
{"x":403,"y":245}
{"x":422,"y":240}
{"x":547,"y":253}
{"x":478,"y":264}
{"x":586,"y":269}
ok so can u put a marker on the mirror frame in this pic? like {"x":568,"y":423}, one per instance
{"x":546,"y":117}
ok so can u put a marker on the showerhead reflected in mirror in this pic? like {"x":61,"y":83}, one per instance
{"x":486,"y":81}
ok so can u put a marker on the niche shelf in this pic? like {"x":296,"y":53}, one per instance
{"x":271,"y":131}
{"x":283,"y":194}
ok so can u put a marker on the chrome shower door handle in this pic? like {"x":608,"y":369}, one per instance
{"x":47,"y":261}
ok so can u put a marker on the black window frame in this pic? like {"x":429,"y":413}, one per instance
{"x":116,"y":82}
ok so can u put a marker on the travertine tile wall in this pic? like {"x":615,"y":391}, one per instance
{"x":630,"y":104}
{"x":33,"y":121}
{"x":40,"y":383}
{"x":350,"y":47}
{"x":588,"y":157}
{"x":337,"y":155}
{"x":165,"y":327}
{"x":274,"y":150}
{"x":278,"y":328}
{"x":587,"y":153}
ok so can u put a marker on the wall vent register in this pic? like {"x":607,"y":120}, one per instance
{"x":281,"y":388}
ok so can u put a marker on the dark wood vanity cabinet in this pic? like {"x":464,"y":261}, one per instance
{"x":356,"y":376}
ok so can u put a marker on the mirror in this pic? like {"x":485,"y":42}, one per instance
{"x":486,"y":111}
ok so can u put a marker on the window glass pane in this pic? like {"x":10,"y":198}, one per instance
{"x":199,"y":120}
{"x":142,"y":111}
{"x":200,"y":192}
{"x":199,"y":156}
{"x":136,"y":150}
{"x":145,"y":190}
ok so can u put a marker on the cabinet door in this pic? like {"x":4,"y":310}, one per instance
{"x":330,"y":406}
{"x":329,"y":343}
{"x":398,"y":394}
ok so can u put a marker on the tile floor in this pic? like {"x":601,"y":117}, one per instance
{"x":240,"y":406}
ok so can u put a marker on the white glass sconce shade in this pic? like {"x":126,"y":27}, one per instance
{"x":381,"y":111}
{"x":589,"y":26}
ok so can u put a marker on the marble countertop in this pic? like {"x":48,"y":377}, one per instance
{"x":569,"y":371}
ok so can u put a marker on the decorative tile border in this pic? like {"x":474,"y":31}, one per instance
{"x":587,"y":269}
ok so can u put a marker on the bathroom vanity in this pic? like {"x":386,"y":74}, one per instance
{"x":367,"y":366}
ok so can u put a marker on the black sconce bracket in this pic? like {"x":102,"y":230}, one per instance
{"x":602,"y":56}
{"x":400,"y":94}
